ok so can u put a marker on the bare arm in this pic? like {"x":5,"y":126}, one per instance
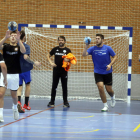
{"x":85,"y":53}
{"x":4,"y":72}
{"x":7,"y":35}
{"x":1,"y":43}
{"x":112,"y":62}
{"x":52,"y":64}
{"x":22,"y":47}
{"x":27,"y":58}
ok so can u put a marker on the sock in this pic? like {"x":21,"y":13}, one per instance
{"x":19,"y":98}
{"x":26,"y":100}
{"x":113,"y":97}
{"x":14,"y":106}
{"x":105,"y":104}
{"x":1,"y":112}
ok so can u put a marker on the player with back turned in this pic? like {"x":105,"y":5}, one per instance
{"x":26,"y":66}
{"x":102,"y":67}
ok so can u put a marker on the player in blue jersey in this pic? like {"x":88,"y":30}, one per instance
{"x":102,"y":67}
{"x":26,"y":65}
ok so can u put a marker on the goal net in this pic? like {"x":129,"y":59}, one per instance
{"x":81,"y":83}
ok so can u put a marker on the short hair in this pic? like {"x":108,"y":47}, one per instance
{"x":100,"y":35}
{"x":13,"y":32}
{"x":61,"y":36}
{"x":22,"y":34}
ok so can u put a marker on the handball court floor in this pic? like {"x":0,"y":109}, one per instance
{"x":82,"y":121}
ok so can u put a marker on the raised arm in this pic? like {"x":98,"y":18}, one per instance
{"x":22,"y":47}
{"x":87,"y":41}
{"x":7,"y":35}
{"x":85,"y":53}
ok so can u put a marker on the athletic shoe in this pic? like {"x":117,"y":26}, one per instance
{"x":66,"y":104}
{"x":1,"y":119}
{"x":113,"y":102}
{"x":50,"y":104}
{"x":105,"y":109}
{"x":16,"y":114}
{"x":20,"y":108}
{"x":27,"y":107}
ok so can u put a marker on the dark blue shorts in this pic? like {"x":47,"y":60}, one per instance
{"x":26,"y":76}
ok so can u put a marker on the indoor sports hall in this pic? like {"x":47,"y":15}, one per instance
{"x":43,"y":21}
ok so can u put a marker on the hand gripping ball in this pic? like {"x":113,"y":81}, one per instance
{"x":87,"y":40}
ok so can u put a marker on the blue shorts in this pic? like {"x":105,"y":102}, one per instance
{"x":26,"y":76}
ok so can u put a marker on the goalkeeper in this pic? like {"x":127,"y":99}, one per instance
{"x":102,"y":67}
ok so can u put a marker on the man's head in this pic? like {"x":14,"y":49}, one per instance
{"x":22,"y":36}
{"x":99,"y":39}
{"x":12,"y":38}
{"x":61,"y":41}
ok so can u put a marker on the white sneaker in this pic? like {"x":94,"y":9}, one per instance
{"x":105,"y":109}
{"x":112,"y":102}
{"x":15,"y":114}
{"x":1,"y":119}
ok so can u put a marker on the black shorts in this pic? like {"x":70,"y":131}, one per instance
{"x":105,"y":78}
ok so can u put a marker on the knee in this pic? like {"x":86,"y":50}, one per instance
{"x":28,"y":84}
{"x":14,"y":96}
{"x":101,"y":89}
{"x":110,"y":91}
{"x":1,"y":95}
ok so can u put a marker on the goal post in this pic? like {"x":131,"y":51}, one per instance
{"x":81,"y":85}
